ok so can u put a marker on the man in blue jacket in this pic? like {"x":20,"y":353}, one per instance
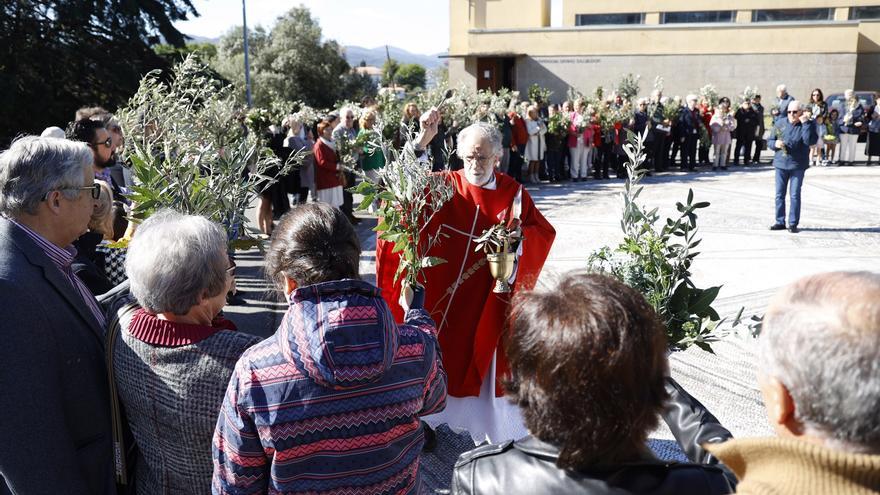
{"x":791,"y":138}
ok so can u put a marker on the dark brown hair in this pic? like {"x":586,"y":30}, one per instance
{"x":322,"y":125}
{"x":313,"y":243}
{"x":588,"y":362}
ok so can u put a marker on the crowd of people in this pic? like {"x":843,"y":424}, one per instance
{"x":574,"y":140}
{"x":149,"y":389}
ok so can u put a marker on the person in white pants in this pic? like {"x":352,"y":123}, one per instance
{"x":579,"y":143}
{"x":853,"y":117}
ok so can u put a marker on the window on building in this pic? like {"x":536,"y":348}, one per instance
{"x":858,"y":13}
{"x":606,"y":19}
{"x":786,"y":15}
{"x":693,"y":17}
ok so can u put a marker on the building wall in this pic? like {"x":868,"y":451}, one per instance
{"x":493,"y":14}
{"x":833,"y":55}
{"x":827,"y":37}
{"x":570,"y":8}
{"x":683,"y":74}
{"x":463,"y":71}
{"x":516,"y":13}
{"x":868,"y":65}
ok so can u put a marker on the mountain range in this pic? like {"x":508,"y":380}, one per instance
{"x":372,"y":56}
{"x":376,"y":57}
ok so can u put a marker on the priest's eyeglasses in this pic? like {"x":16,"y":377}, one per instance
{"x":482,"y":160}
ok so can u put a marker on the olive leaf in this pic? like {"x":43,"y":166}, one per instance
{"x":655,"y":258}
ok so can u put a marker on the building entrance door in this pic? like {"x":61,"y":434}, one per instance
{"x":494,"y":73}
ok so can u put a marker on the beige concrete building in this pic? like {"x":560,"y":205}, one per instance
{"x":830,"y":44}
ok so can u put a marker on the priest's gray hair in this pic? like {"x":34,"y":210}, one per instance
{"x":821,"y":339}
{"x":474,"y":133}
{"x":176,"y":260}
{"x":34,"y":166}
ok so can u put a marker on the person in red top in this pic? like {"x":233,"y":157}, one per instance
{"x":519,"y":138}
{"x":706,"y":113}
{"x":327,"y":167}
{"x":471,"y":319}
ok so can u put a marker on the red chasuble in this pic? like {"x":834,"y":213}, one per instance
{"x":470,"y":317}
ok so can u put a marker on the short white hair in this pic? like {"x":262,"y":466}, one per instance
{"x":821,"y":339}
{"x":344,"y":110}
{"x":848,"y":94}
{"x":479,"y":130}
{"x":794,"y":106}
{"x":690,"y":97}
{"x":174,"y":260}
{"x":34,"y":166}
{"x":781,"y":88}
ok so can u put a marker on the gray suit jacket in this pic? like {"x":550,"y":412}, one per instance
{"x":55,"y":430}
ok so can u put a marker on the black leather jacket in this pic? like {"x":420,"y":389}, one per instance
{"x":528,"y":466}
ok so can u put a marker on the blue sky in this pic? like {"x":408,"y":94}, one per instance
{"x":420,"y":26}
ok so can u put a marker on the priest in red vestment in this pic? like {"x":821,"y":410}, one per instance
{"x":471,"y":318}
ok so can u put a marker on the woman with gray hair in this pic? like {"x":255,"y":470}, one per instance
{"x":174,"y":357}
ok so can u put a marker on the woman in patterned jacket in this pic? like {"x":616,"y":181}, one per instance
{"x":174,"y":356}
{"x":330,"y":403}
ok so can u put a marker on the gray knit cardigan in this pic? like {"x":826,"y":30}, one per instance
{"x":172,"y":397}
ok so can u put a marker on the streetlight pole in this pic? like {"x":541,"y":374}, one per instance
{"x":247,"y":65}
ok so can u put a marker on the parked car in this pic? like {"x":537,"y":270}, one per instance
{"x":866,"y":98}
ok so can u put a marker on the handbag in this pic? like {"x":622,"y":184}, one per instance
{"x":124,"y":449}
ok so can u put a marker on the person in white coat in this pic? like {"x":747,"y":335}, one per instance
{"x":535,"y":147}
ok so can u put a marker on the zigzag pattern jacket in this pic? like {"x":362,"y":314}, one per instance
{"x":330,"y":404}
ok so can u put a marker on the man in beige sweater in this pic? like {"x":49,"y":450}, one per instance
{"x":819,"y":373}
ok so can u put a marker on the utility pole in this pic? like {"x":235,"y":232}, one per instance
{"x":390,"y":68}
{"x":247,"y":65}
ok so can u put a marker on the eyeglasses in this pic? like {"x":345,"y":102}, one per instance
{"x":794,"y":112}
{"x":108,"y":143}
{"x":95,"y":188}
{"x":482,"y":160}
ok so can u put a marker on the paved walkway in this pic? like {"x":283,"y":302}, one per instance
{"x":840,"y":222}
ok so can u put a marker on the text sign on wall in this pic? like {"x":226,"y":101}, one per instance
{"x":568,"y":60}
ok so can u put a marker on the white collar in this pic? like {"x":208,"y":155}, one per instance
{"x":492,"y":184}
{"x":328,"y":142}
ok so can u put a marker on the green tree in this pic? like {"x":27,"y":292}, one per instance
{"x":389,"y":72}
{"x":289,"y":63}
{"x":411,"y":76}
{"x":356,"y":86}
{"x":174,"y":54}
{"x":59,"y":55}
{"x":229,"y":61}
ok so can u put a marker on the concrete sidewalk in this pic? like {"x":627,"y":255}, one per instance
{"x":840,"y":222}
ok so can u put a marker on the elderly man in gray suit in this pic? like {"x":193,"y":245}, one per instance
{"x":55,"y":436}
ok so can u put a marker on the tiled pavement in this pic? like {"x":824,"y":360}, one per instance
{"x":840,"y":231}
